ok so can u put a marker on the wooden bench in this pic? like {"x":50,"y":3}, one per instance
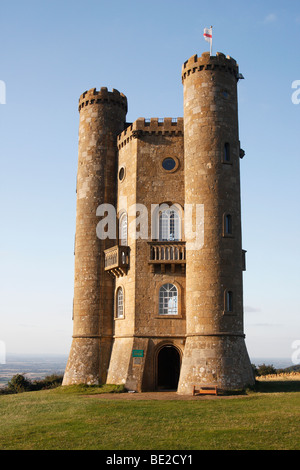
{"x":205,"y":390}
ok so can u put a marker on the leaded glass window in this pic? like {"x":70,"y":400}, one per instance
{"x":168,"y":300}
{"x":120,"y":303}
{"x":123,"y":229}
{"x":169,"y":225}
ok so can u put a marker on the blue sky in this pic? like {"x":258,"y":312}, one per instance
{"x":52,"y":51}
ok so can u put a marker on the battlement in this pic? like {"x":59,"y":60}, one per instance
{"x":93,"y":96}
{"x":207,"y":62}
{"x":153,"y":126}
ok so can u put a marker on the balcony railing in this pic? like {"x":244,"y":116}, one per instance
{"x":117,"y":260}
{"x":167,"y":253}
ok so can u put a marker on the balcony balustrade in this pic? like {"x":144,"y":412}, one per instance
{"x":117,"y":260}
{"x":167,"y":253}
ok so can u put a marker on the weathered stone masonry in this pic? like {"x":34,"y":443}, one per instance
{"x":124,"y":330}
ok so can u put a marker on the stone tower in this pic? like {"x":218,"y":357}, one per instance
{"x":102,"y":118}
{"x":152,"y":309}
{"x":215,"y":351}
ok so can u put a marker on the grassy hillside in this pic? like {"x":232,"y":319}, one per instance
{"x":73,"y":418}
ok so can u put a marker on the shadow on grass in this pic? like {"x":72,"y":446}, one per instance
{"x":277,"y":386}
{"x":265,"y":386}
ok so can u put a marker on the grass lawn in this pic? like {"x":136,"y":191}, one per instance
{"x":67,"y":419}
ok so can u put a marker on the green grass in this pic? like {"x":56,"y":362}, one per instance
{"x":67,"y":418}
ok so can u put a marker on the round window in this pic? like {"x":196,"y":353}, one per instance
{"x":121,"y":173}
{"x":168,"y":164}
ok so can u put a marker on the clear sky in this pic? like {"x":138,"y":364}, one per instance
{"x":51,"y":52}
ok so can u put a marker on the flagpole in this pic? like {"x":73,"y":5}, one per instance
{"x":211,"y":42}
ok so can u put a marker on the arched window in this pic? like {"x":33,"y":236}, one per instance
{"x":229,"y":301}
{"x":228,"y":224}
{"x":168,"y":300}
{"x":169,"y":225}
{"x":227,"y":152}
{"x":119,"y":303}
{"x":123,"y":230}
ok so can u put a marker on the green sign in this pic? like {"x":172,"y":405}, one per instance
{"x":137,"y":353}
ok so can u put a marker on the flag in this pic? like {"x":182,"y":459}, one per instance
{"x":208,"y":36}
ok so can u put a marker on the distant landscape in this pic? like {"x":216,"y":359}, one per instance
{"x":34,"y":366}
{"x":38,"y":366}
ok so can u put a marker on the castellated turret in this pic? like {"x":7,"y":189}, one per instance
{"x":102,"y":118}
{"x":159,"y":305}
{"x":215,"y":350}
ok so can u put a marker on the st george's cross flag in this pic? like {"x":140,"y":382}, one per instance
{"x":208,"y":36}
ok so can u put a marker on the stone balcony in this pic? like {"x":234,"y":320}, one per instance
{"x":169,"y":254}
{"x":116,"y":260}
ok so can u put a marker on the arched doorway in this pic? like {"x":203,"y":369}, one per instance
{"x":168,"y":368}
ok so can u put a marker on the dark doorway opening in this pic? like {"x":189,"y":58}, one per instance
{"x":168,"y":368}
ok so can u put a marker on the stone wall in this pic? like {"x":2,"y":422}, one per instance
{"x":102,"y":118}
{"x":124,"y":165}
{"x":214,"y":351}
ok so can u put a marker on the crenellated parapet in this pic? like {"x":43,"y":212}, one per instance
{"x":164,"y":312}
{"x":102,"y":118}
{"x":93,"y":96}
{"x":153,"y":126}
{"x":219,"y":62}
